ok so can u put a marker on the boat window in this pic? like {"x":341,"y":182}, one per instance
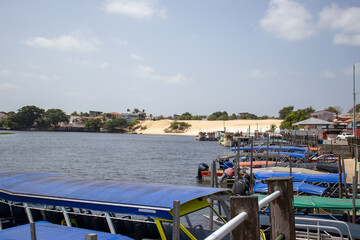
{"x":199,"y":225}
{"x":168,"y":230}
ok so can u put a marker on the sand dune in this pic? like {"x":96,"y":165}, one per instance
{"x":158,"y":127}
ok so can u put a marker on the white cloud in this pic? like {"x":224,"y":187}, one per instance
{"x":344,"y":23}
{"x":328,"y":74}
{"x":5,"y":73}
{"x":41,"y":77}
{"x":104,"y":65}
{"x":76,"y":61}
{"x":135,"y":8}
{"x":7,"y":86}
{"x":258,"y":73}
{"x":136,"y":57}
{"x":75,"y":41}
{"x":288,"y":20}
{"x":147,"y":72}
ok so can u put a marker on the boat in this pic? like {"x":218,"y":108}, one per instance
{"x":134,"y":210}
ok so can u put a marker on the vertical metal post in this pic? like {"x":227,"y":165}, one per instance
{"x":249,"y":229}
{"x":32,"y":231}
{"x":66,"y":217}
{"x":344,"y":174}
{"x":28,"y":213}
{"x":282,"y":217}
{"x":110,"y":223}
{"x":237,"y":161}
{"x":213,"y":172}
{"x":354,"y":192}
{"x":251,"y":166}
{"x":340,"y":177}
{"x":267,"y":151}
{"x":176,"y":220}
{"x":354,"y":99}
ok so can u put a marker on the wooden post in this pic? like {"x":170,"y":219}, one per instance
{"x":282,"y":217}
{"x":176,"y":220}
{"x":91,"y":236}
{"x":32,"y":231}
{"x":249,"y":229}
{"x":213,"y":173}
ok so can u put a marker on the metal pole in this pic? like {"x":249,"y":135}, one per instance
{"x":267,"y":150}
{"x":237,"y":161}
{"x":32,"y":231}
{"x":176,"y":220}
{"x":354,"y":99}
{"x":344,"y":174}
{"x":354,"y":192}
{"x":340,"y":180}
{"x":66,"y":217}
{"x":28,"y":213}
{"x":251,"y":167}
{"x":110,"y":223}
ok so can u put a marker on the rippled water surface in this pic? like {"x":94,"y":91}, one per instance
{"x":124,"y":157}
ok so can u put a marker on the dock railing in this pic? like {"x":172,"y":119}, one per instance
{"x":245,"y":213}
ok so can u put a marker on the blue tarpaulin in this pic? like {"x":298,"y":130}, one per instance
{"x":49,"y":231}
{"x":108,"y":196}
{"x":297,"y":187}
{"x":299,"y":177}
{"x":273,"y":148}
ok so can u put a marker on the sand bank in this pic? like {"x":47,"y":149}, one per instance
{"x":158,"y":127}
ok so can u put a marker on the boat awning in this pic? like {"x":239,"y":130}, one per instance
{"x":300,"y":177}
{"x":50,"y":231}
{"x":108,"y":196}
{"x":297,"y":187}
{"x":273,"y":148}
{"x":321,"y":202}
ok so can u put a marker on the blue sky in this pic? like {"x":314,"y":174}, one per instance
{"x":171,"y":57}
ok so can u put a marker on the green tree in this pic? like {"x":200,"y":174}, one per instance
{"x":93,"y":125}
{"x":185,"y":116}
{"x":218,"y":116}
{"x":248,"y":116}
{"x":12,"y":122}
{"x":292,"y":118}
{"x":285,"y":111}
{"x":55,"y":116}
{"x":111,"y":125}
{"x":357,"y":109}
{"x":232,"y":117}
{"x":27,"y":116}
{"x":197,"y":117}
{"x":136,"y":110}
{"x":336,"y":109}
{"x":75,"y":114}
{"x":308,"y":111}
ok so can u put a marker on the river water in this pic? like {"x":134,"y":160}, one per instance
{"x":125,"y":157}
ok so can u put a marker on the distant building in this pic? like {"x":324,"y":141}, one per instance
{"x":134,"y":116}
{"x":242,"y":114}
{"x":95,"y":113}
{"x":324,"y":115}
{"x":2,"y":115}
{"x":116,"y":115}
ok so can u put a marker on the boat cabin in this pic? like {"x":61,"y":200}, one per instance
{"x":134,"y":210}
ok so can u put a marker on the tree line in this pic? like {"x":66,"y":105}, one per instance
{"x":32,"y":116}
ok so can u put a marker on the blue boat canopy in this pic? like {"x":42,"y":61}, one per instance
{"x":297,"y":187}
{"x":299,"y":177}
{"x":108,"y":196}
{"x":50,"y":231}
{"x":274,"y":148}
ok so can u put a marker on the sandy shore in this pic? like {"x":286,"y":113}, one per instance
{"x":158,"y":127}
